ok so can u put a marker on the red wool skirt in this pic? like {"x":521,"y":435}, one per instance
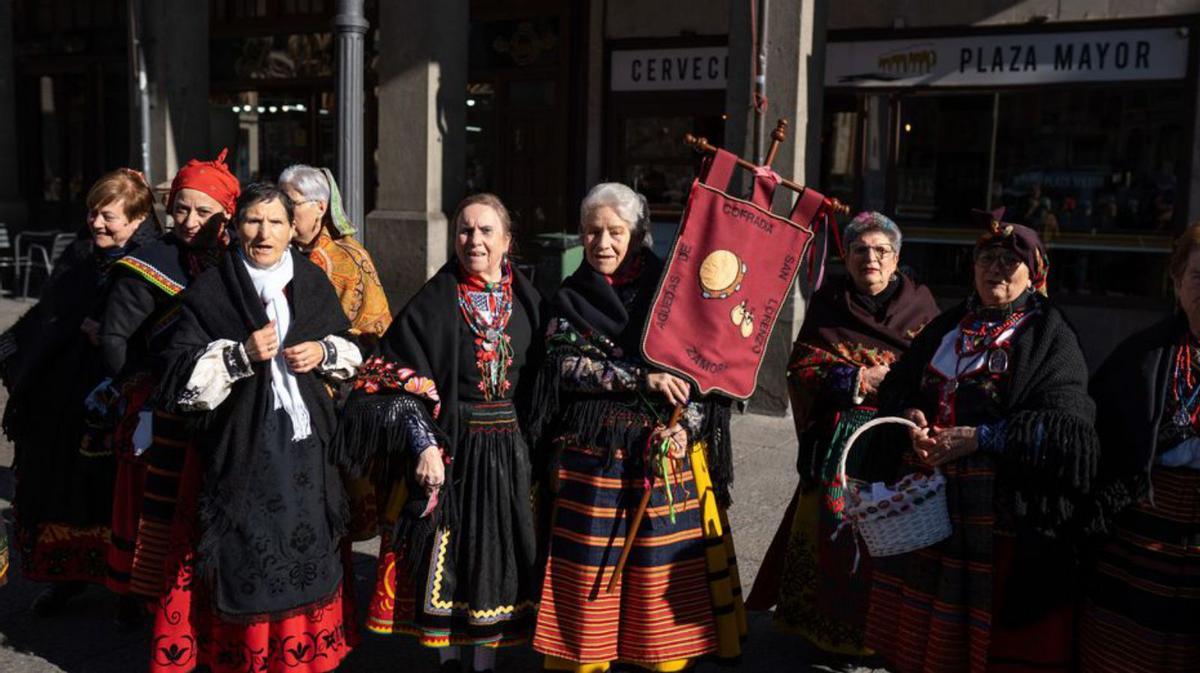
{"x":188,"y":633}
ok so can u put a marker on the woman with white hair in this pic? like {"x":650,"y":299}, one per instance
{"x":326,"y":236}
{"x":601,"y":407}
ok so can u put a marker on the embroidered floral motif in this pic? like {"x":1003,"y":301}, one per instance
{"x":377,"y":374}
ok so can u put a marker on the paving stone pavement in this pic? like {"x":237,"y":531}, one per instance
{"x":86,"y":638}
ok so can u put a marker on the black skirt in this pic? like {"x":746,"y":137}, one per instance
{"x":478,"y":584}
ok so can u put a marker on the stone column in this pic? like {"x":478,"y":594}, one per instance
{"x":349,"y":28}
{"x":13,"y":211}
{"x":796,"y":90}
{"x":176,"y":48}
{"x":420,"y":158}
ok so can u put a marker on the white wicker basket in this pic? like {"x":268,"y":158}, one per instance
{"x":915,"y":517}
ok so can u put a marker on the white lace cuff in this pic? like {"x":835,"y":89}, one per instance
{"x":221,"y":365}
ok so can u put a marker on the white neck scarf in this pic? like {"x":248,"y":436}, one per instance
{"x":269,"y":283}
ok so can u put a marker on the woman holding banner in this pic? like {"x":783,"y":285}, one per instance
{"x":855,"y":328}
{"x":605,"y":412}
{"x":998,"y":389}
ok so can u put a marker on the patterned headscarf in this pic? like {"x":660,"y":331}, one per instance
{"x":1019,"y":238}
{"x":337,"y":213}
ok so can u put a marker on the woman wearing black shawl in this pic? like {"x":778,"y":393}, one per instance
{"x":51,"y":362}
{"x":262,"y":509}
{"x":998,"y":388}
{"x":855,"y":328}
{"x":446,"y":403}
{"x":1142,"y":611}
{"x":603,"y":409}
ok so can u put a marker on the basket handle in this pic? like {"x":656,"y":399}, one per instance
{"x":882,"y":420}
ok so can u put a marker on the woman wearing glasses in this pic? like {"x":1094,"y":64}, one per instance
{"x":856,"y":327}
{"x":998,"y":388}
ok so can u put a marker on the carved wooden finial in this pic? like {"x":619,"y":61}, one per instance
{"x":777,"y":136}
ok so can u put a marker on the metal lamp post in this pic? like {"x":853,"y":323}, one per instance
{"x":349,"y":29}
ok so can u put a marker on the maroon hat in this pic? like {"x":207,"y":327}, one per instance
{"x":1022,"y":240}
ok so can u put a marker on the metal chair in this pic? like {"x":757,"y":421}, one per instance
{"x":46,"y":256}
{"x":8,"y":257}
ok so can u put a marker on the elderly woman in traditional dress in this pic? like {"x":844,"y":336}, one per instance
{"x":998,"y":388}
{"x":262,"y":507}
{"x":144,"y":300}
{"x":601,"y":405}
{"x":51,"y":362}
{"x":1142,"y":611}
{"x":446,"y":404}
{"x":326,"y":235}
{"x":854,"y":330}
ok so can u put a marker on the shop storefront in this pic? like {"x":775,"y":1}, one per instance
{"x":271,"y":95}
{"x":658,"y":90}
{"x":1081,"y":131}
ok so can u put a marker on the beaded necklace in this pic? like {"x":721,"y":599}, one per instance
{"x":487,"y":307}
{"x":1184,"y":379}
{"x":975,"y":336}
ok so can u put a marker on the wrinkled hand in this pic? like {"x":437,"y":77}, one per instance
{"x":921,"y":437}
{"x":304,"y":357}
{"x":676,"y":435}
{"x":870,"y":378}
{"x":431,"y":469}
{"x":262,"y":344}
{"x":949,"y":444}
{"x":675,"y":389}
{"x":91,"y":328}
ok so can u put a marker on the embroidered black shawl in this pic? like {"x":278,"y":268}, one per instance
{"x":591,"y":317}
{"x":222,"y":304}
{"x":417,"y":371}
{"x":1051,"y":448}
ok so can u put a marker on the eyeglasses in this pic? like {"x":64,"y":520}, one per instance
{"x":866,"y":251}
{"x":1007,"y":259}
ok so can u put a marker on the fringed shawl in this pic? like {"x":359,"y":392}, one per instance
{"x":222,"y":304}
{"x":593,"y":318}
{"x":1046,"y":471}
{"x":417,"y":372}
{"x":840,"y":329}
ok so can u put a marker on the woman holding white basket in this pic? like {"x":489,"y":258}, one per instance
{"x":997,"y":390}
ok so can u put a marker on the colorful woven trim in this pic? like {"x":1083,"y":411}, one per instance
{"x":155,"y":277}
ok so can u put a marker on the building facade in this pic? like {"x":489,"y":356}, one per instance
{"x":1079,"y":117}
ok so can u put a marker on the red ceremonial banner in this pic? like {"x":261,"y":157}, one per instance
{"x":726,"y":280}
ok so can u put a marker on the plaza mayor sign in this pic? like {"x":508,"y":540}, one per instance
{"x":1006,"y":60}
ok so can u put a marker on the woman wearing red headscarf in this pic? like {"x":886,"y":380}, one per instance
{"x":143,"y":302}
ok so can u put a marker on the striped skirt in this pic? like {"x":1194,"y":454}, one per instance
{"x":1143,"y":609}
{"x":3,"y":554}
{"x":680,"y":595}
{"x":151,"y":568}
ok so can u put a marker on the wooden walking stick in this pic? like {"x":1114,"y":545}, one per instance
{"x":635,"y":523}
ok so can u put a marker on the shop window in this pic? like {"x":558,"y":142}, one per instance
{"x":942,"y":157}
{"x":269,"y":131}
{"x":1092,"y":160}
{"x":649,"y":153}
